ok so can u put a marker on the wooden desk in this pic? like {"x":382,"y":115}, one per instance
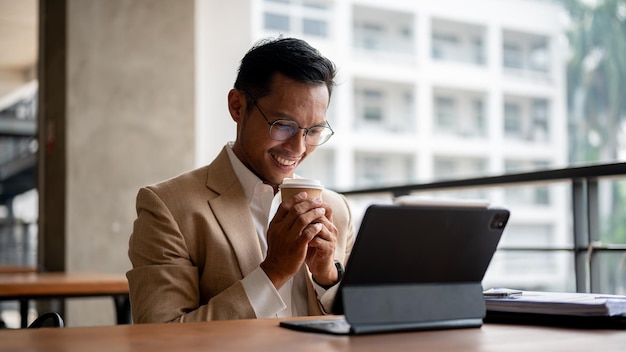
{"x":266,"y":335}
{"x":16,"y":269}
{"x":24,"y":287}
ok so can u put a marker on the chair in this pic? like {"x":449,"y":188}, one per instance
{"x":50,"y":319}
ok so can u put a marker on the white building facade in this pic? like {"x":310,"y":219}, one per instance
{"x":433,"y":90}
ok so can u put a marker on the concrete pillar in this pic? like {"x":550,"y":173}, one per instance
{"x":116,"y":112}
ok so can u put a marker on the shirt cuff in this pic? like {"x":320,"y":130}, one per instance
{"x":262,"y":294}
{"x":319,"y":290}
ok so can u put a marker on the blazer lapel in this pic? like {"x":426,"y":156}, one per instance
{"x":231,"y":211}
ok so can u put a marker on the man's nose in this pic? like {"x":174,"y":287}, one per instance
{"x":297,"y":142}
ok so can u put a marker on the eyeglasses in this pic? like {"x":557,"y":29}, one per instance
{"x":282,"y":130}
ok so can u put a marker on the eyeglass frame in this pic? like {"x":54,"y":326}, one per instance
{"x":306,"y":130}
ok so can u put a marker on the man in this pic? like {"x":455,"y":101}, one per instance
{"x":216,"y":242}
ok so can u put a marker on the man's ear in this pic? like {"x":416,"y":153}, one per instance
{"x":236,"y":105}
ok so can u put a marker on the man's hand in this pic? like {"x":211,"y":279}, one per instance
{"x":301,"y":231}
{"x":320,"y":256}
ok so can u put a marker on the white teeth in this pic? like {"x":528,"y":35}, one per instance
{"x":284,"y":162}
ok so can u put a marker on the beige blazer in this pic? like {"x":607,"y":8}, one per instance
{"x":194,"y":240}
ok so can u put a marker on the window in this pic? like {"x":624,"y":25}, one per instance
{"x":442,"y":43}
{"x":314,"y":27}
{"x":375,"y":168}
{"x":298,"y":17}
{"x":370,"y":105}
{"x":539,"y":56}
{"x":512,"y":120}
{"x":540,"y":119}
{"x":407,"y":118}
{"x":319,"y":5}
{"x":384,"y":108}
{"x":478,"y":114}
{"x":449,"y":167}
{"x":512,"y":55}
{"x":373,"y":105}
{"x":369,"y":36}
{"x":277,"y":22}
{"x":526,"y":55}
{"x":371,"y":170}
{"x":457,"y":41}
{"x":445,"y":113}
{"x":478,"y":51}
{"x":381,"y":35}
{"x":406,"y":32}
{"x":372,"y":113}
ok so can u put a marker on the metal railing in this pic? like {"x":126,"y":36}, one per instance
{"x":585,"y":208}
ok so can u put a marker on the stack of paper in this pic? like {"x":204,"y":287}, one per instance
{"x":556,"y":303}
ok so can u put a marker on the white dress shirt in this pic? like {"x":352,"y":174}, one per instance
{"x":291,"y":299}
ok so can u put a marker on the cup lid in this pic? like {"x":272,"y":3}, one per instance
{"x":300,"y":183}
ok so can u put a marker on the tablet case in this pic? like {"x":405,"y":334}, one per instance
{"x":417,"y":267}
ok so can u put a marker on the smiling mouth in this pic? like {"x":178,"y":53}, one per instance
{"x":283,"y":161}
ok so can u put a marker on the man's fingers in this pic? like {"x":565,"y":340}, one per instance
{"x":310,"y":232}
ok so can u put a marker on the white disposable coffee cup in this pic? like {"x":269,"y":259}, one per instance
{"x":292,"y":186}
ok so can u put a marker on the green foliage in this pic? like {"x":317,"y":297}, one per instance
{"x":596,"y":76}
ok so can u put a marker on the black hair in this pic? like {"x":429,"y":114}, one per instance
{"x":291,"y":57}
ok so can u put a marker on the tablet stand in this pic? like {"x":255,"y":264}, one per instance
{"x":413,"y":306}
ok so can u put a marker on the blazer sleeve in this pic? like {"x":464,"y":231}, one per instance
{"x":164,"y":282}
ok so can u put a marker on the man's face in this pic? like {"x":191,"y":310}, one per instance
{"x":269,"y":159}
